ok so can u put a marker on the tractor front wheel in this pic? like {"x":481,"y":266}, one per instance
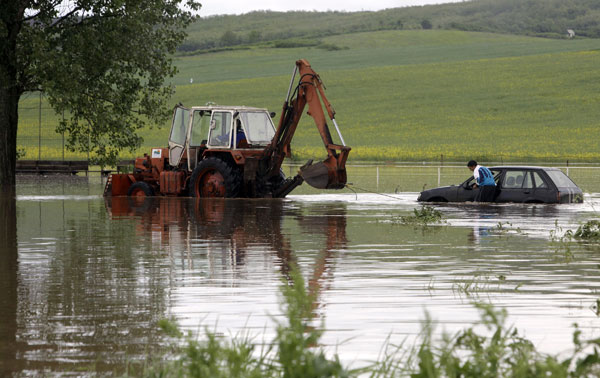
{"x":140,"y":189}
{"x":139,"y":194}
{"x":214,"y":177}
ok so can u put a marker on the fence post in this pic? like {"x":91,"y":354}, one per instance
{"x":439,"y":175}
{"x":567,"y":167}
{"x":88,"y":148}
{"x":377,"y":177}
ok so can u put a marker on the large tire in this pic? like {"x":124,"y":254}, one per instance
{"x":214,"y":177}
{"x":139,"y":194}
{"x":140,"y":189}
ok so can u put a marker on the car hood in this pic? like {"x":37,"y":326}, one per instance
{"x":426,"y":194}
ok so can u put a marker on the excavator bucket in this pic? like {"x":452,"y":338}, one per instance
{"x":328,"y":174}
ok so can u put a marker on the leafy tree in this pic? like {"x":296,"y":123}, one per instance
{"x":103,"y":62}
{"x":426,"y":24}
{"x":229,"y":38}
{"x":254,"y":36}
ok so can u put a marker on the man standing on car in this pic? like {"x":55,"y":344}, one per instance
{"x":484,"y":179}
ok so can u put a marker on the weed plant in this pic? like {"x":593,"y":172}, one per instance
{"x":589,"y":231}
{"x":424,"y":216}
{"x":502,"y":352}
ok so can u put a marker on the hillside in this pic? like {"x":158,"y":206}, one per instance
{"x":410,"y":95}
{"x":545,"y":18}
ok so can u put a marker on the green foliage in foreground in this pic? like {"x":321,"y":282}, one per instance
{"x":499,"y":351}
{"x":503,"y":354}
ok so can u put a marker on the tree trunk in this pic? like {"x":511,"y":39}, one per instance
{"x":9,"y":118}
{"x":8,"y":282}
{"x":11,"y":89}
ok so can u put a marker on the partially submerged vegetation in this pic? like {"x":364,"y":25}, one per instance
{"x":589,"y":231}
{"x":426,"y":215}
{"x":496,"y":350}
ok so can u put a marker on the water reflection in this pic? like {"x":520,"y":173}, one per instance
{"x":231,"y":230}
{"x":83,"y":293}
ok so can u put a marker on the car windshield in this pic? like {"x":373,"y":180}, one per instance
{"x":560,"y":179}
{"x":259,"y":127}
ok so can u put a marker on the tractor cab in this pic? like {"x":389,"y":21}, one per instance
{"x":217,"y":128}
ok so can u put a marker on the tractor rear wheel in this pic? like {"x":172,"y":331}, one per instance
{"x":214,"y":177}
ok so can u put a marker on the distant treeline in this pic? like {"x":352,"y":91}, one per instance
{"x":543,"y":18}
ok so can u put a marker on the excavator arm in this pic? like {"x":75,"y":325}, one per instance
{"x":331,"y":172}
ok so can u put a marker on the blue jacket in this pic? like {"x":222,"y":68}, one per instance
{"x":486,"y":178}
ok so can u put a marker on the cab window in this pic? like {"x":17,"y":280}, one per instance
{"x":200,"y":127}
{"x":220,"y":127}
{"x":179,"y":127}
{"x":259,"y":127}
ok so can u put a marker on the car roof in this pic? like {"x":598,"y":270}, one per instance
{"x":530,"y":167}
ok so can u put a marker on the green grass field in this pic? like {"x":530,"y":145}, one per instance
{"x":407,"y":96}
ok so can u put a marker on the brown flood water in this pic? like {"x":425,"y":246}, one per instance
{"x":84,"y":281}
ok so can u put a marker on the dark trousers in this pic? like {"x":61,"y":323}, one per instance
{"x":486,"y":194}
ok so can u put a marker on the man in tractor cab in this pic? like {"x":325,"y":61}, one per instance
{"x":240,"y":136}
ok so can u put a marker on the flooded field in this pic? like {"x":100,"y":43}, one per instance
{"x":84,"y":280}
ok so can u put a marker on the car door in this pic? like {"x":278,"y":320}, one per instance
{"x":465,"y":191}
{"x":544,"y":191}
{"x":516,"y":185}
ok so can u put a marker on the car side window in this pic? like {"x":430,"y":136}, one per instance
{"x":540,"y":183}
{"x":527,"y":181}
{"x":515,"y":179}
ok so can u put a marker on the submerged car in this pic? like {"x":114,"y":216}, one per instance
{"x":514,"y":184}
